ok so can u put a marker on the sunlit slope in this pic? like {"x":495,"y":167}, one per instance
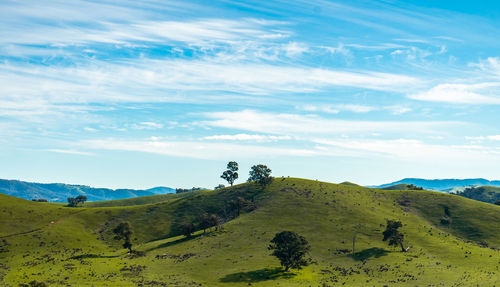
{"x":142,"y":200}
{"x":78,"y":248}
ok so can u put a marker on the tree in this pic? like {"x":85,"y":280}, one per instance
{"x":124,"y":232}
{"x":260,"y":174}
{"x":231,"y":174}
{"x":394,"y":236}
{"x":290,"y":248}
{"x":81,"y":199}
{"x":204,"y":222}
{"x":74,"y":201}
{"x":497,"y":202}
{"x":187,"y":229}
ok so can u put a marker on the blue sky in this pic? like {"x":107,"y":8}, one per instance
{"x":140,"y":94}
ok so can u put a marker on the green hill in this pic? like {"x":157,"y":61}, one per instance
{"x":402,"y":186}
{"x":452,"y":239}
{"x":490,"y":194}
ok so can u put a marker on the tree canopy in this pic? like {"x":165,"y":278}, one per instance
{"x":393,"y":235}
{"x":124,"y":232}
{"x":290,"y":248}
{"x":231,"y":174}
{"x":261,"y":174}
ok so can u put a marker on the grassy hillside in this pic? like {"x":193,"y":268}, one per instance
{"x":448,"y":236}
{"x":402,"y":186}
{"x":490,"y":194}
{"x":142,"y":200}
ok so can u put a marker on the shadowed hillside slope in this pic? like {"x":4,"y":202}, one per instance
{"x":74,"y":245}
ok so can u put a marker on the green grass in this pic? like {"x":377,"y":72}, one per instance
{"x":78,"y":249}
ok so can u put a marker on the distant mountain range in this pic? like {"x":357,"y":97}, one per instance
{"x":59,"y":192}
{"x":446,"y":185}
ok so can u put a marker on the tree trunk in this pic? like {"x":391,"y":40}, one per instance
{"x":287,"y":268}
{"x":403,"y":249}
{"x":353,"y":242}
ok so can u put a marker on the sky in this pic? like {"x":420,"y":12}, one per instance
{"x":137,"y":94}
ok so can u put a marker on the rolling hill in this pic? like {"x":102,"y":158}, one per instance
{"x":443,"y":184}
{"x":74,"y":246}
{"x":490,"y":194}
{"x":59,"y":192}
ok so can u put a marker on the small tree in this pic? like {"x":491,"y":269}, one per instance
{"x":261,"y":174}
{"x":74,"y":201}
{"x":187,"y":229}
{"x":497,"y":202}
{"x":394,"y":236}
{"x":124,"y":232}
{"x":290,"y":248}
{"x":231,"y":174}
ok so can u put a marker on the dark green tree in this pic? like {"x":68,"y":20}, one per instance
{"x":72,"y":202}
{"x":290,"y":248}
{"x":187,"y":229}
{"x":75,"y":201}
{"x":205,"y":222}
{"x":231,"y":174}
{"x":393,"y":235}
{"x":261,"y":174}
{"x":81,"y":199}
{"x":124,"y":232}
{"x":497,"y":202}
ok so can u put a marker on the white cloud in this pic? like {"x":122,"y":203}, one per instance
{"x":293,"y":49}
{"x":248,"y":137}
{"x":413,"y":150}
{"x":481,"y":93}
{"x":27,"y":88}
{"x":483,"y":138}
{"x":398,"y":110}
{"x":293,"y":124}
{"x":147,"y":126}
{"x":70,"y":151}
{"x":199,"y":150}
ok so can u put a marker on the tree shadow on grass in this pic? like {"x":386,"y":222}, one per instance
{"x":170,"y":243}
{"x":369,"y":253}
{"x":257,"y":275}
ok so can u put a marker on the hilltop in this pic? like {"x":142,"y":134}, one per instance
{"x":74,"y":246}
{"x":59,"y":192}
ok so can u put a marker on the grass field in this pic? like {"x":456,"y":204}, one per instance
{"x":453,"y":239}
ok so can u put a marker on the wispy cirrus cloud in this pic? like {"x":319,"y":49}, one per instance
{"x":248,"y":137}
{"x":284,"y":123}
{"x":474,"y":94}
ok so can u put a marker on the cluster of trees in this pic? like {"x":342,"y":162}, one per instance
{"x":258,"y":173}
{"x":39,"y":200}
{"x":181,"y":190}
{"x":75,"y":201}
{"x":206,"y":221}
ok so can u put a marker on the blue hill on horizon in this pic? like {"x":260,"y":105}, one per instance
{"x":59,"y":192}
{"x":443,"y":184}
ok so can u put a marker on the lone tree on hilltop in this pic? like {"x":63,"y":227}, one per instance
{"x":290,"y":248}
{"x":74,"y":201}
{"x":393,"y":235}
{"x":187,"y":229}
{"x":231,"y":174}
{"x":261,"y":174}
{"x":124,"y":232}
